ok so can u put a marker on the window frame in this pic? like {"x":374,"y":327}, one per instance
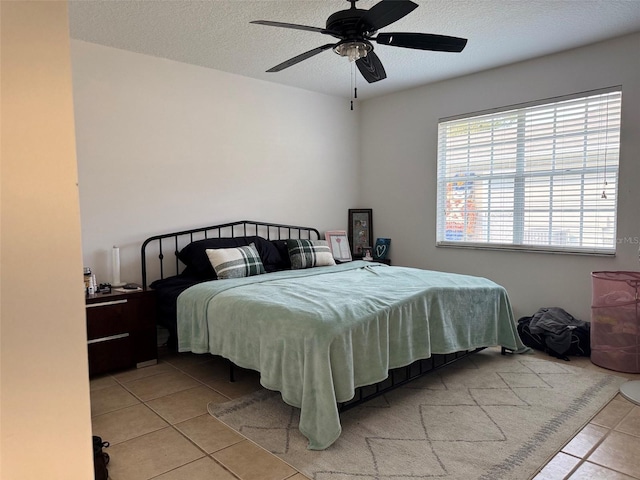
{"x":519,"y":177}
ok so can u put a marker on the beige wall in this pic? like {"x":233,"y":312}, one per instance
{"x":46,"y":429}
{"x":533,"y":280}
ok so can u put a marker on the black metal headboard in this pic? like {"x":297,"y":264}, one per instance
{"x":157,"y":245}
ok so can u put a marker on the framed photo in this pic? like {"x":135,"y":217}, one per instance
{"x":382,"y":248}
{"x":339,"y":245}
{"x":360,"y":230}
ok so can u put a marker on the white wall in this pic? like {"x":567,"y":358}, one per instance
{"x":46,"y":423}
{"x":164,"y":146}
{"x":398,"y":149}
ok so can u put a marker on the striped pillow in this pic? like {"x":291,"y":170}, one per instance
{"x":309,"y":253}
{"x":235,"y":262}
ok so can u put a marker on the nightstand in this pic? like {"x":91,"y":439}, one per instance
{"x":121,"y":330}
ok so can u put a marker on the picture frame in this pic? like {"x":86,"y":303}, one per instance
{"x":360,"y":230}
{"x":381,"y":249}
{"x":339,"y":245}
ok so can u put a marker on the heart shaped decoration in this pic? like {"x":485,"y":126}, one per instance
{"x":381,"y":250}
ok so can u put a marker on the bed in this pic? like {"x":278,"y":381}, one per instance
{"x":323,"y":333}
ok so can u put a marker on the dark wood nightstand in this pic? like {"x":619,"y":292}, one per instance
{"x":121,"y":330}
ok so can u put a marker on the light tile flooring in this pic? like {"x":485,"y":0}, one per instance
{"x":607,"y":448}
{"x":156,"y":421}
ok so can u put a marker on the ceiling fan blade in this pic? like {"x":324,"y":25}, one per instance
{"x":385,"y":13}
{"x":422,"y":41}
{"x":301,"y":57}
{"x":292,"y":25}
{"x":371,"y":68}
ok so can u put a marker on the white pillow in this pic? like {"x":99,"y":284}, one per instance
{"x":235,"y":262}
{"x":309,"y":253}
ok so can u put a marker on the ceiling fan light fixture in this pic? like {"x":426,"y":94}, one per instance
{"x":355,"y":29}
{"x":353,"y":50}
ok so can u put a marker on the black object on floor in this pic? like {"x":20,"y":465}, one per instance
{"x":100,"y":459}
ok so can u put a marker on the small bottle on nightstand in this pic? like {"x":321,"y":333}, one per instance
{"x":87,"y":279}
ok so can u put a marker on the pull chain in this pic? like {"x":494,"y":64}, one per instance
{"x":606,"y":145}
{"x":355,"y":84}
{"x":353,"y":87}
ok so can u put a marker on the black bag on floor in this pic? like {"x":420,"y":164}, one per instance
{"x":100,"y":459}
{"x":557,"y":332}
{"x":532,"y":340}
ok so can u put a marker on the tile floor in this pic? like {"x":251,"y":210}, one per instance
{"x":607,"y":448}
{"x":156,"y":421}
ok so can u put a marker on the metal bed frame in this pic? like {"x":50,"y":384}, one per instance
{"x":402,"y":375}
{"x":274,"y":231}
{"x":241,"y":228}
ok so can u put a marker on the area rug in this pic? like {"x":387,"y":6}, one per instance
{"x":486,"y":417}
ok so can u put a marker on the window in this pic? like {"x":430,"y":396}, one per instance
{"x":538,"y":177}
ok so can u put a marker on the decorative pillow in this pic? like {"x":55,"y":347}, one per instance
{"x":309,"y":253}
{"x":194,"y":255}
{"x":235,"y":262}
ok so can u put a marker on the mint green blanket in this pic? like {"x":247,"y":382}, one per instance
{"x":317,"y":334}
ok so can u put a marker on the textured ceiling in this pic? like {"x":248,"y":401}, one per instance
{"x":217,"y":34}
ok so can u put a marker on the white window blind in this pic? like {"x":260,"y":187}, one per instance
{"x":537,"y":177}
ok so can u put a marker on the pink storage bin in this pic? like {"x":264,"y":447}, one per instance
{"x":615,"y":321}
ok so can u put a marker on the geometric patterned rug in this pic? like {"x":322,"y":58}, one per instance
{"x":487,"y":416}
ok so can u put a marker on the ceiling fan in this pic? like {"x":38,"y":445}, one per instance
{"x":357,"y":28}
